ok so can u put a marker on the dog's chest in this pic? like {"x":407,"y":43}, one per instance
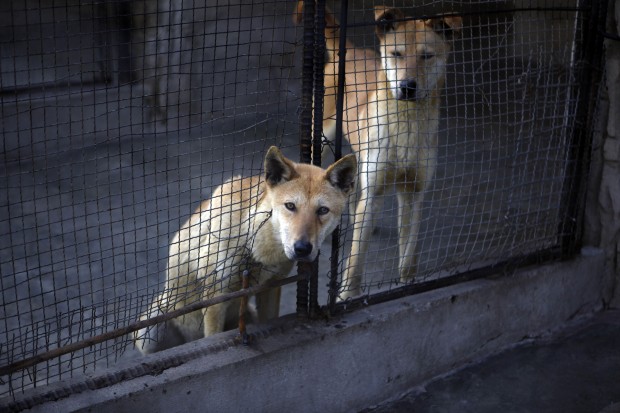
{"x":394,"y":125}
{"x":405,"y":138}
{"x":401,"y":143}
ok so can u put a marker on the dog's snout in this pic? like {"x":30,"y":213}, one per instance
{"x":408,"y":89}
{"x":302,"y":249}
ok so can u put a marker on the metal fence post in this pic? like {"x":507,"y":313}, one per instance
{"x":305,"y":134}
{"x":317,"y":135}
{"x":311,"y":134}
{"x":342,"y":51}
{"x":588,"y":61}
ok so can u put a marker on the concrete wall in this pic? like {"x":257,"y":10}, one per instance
{"x":348,"y":363}
{"x":602,"y":227}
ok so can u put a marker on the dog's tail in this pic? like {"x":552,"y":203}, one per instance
{"x":332,"y":30}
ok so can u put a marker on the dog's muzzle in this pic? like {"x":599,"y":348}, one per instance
{"x":407,"y":89}
{"x":302,"y":249}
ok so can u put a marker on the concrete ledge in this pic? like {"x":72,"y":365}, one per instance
{"x":360,"y":358}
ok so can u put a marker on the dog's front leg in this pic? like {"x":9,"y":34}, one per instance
{"x":362,"y":231}
{"x":215,"y":318}
{"x":268,"y":304}
{"x":409,"y":207}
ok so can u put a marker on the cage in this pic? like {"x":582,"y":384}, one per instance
{"x":119,"y":118}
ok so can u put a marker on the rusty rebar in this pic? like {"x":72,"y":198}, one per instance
{"x":243,"y":306}
{"x":70,"y":348}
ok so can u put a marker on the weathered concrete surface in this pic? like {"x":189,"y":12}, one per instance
{"x":602,"y":226}
{"x":575,"y":370}
{"x":363,"y":357}
{"x":610,"y":184}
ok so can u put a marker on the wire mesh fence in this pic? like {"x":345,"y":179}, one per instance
{"x":491,"y":167}
{"x":119,"y":118}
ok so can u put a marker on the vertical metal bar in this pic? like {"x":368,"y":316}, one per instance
{"x":124,"y":42}
{"x":319,"y":83}
{"x":342,"y":52}
{"x":317,"y":135}
{"x":243,"y":306}
{"x":305,"y":133}
{"x":307,"y":84}
{"x":302,"y":290}
{"x":589,"y":59}
{"x":313,"y":287}
{"x":332,"y":292}
{"x":334,"y":285}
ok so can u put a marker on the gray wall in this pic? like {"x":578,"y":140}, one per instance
{"x":602,"y":226}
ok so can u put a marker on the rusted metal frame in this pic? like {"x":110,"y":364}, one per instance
{"x":472,"y":13}
{"x":334,"y":284}
{"x":503,"y":268}
{"x":305,"y":134}
{"x":130,"y":328}
{"x":592,"y":49}
{"x":243,"y":306}
{"x":590,"y":19}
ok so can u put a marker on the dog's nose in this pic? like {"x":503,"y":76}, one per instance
{"x":302,"y":248}
{"x":408,"y":89}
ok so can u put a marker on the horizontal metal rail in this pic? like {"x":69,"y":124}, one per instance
{"x":70,"y":348}
{"x":547,"y":255}
{"x":468,"y":13}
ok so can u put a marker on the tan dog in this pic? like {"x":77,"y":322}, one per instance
{"x":260,"y":223}
{"x":391,"y":119}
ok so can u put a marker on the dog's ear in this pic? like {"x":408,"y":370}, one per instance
{"x":277,"y":168}
{"x":447,"y":26}
{"x":298,"y":14}
{"x":343,"y":174}
{"x":387,"y":19}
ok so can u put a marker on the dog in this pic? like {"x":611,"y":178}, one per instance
{"x":262,"y":224}
{"x":391,"y":118}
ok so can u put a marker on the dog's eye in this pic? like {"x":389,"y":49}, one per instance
{"x":426,"y":56}
{"x":396,"y":54}
{"x":322,"y":211}
{"x":290,"y":206}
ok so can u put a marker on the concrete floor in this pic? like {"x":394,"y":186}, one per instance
{"x":575,"y":370}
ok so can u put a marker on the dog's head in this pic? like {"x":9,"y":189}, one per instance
{"x":414,"y":53}
{"x":306,"y":201}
